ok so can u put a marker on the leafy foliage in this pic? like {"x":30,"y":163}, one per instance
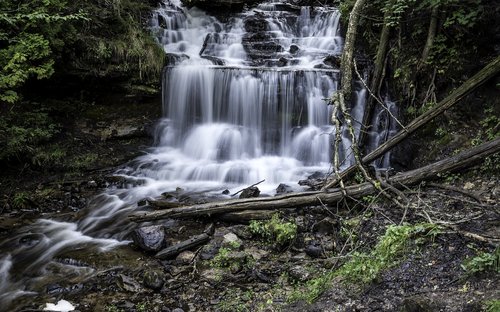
{"x":275,"y":230}
{"x":96,"y":38}
{"x":31,"y":33}
{"x":23,"y":132}
{"x":483,"y":262}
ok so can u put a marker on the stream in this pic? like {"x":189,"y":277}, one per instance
{"x":244,"y":100}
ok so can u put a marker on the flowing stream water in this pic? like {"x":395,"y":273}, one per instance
{"x":244,"y":100}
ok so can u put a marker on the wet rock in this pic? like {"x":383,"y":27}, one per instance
{"x":293,"y":49}
{"x":257,"y":253}
{"x":149,"y":238}
{"x":225,"y":192}
{"x":153,"y":279}
{"x":230,"y":240}
{"x":241,"y":231}
{"x":213,"y":275}
{"x":299,"y":273}
{"x":185,"y":257}
{"x":208,"y":252}
{"x":214,"y":60}
{"x":127,"y":283}
{"x":314,"y":250}
{"x":326,"y":226}
{"x":314,"y":180}
{"x":283,"y":189}
{"x":255,"y":24}
{"x":332,"y":60}
{"x":142,"y":202}
{"x":283,"y":61}
{"x":250,"y":192}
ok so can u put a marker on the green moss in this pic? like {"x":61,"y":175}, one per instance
{"x":492,"y":305}
{"x":363,"y":268}
{"x":276,"y":230}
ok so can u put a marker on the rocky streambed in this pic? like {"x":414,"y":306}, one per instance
{"x":289,"y":260}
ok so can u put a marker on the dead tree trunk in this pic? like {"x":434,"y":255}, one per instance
{"x":305,"y":199}
{"x":488,"y":72}
{"x":348,"y":53}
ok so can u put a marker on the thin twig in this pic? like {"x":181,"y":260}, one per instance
{"x":247,"y":187}
{"x":375,"y":97}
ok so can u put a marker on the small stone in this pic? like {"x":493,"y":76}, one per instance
{"x":212,"y":276}
{"x":153,"y":279}
{"x":469,"y":186}
{"x":299,"y":273}
{"x":177,"y":310}
{"x":185,"y":257}
{"x":208,"y":252}
{"x":294,"y":49}
{"x":314,"y":250}
{"x":232,"y":241}
{"x":256,"y":253}
{"x":225,"y":192}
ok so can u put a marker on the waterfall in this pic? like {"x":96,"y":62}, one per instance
{"x":244,"y":100}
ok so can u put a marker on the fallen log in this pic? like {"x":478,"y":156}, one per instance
{"x":295,"y":200}
{"x":176,"y":249}
{"x":488,"y":72}
{"x":247,"y":215}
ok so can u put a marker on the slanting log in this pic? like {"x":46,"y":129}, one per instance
{"x":246,"y":216}
{"x":176,"y":249}
{"x":305,"y":199}
{"x":164,"y":204}
{"x":488,"y":72}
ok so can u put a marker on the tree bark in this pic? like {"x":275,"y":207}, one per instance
{"x":376,"y":80}
{"x":348,"y":53}
{"x":431,"y":34}
{"x":488,"y":72}
{"x":296,"y":200}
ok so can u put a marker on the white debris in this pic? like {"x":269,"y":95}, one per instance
{"x":61,"y":306}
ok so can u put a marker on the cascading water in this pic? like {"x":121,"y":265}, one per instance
{"x":244,"y":101}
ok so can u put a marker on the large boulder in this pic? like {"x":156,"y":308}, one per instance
{"x":149,"y":238}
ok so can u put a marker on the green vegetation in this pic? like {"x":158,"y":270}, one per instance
{"x":21,"y":200}
{"x":492,"y":305}
{"x":24,"y":132}
{"x":363,"y":268}
{"x":88,"y":38}
{"x":276,"y":230}
{"x":230,"y":258}
{"x":67,"y":43}
{"x":431,"y":43}
{"x":483,"y":262}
